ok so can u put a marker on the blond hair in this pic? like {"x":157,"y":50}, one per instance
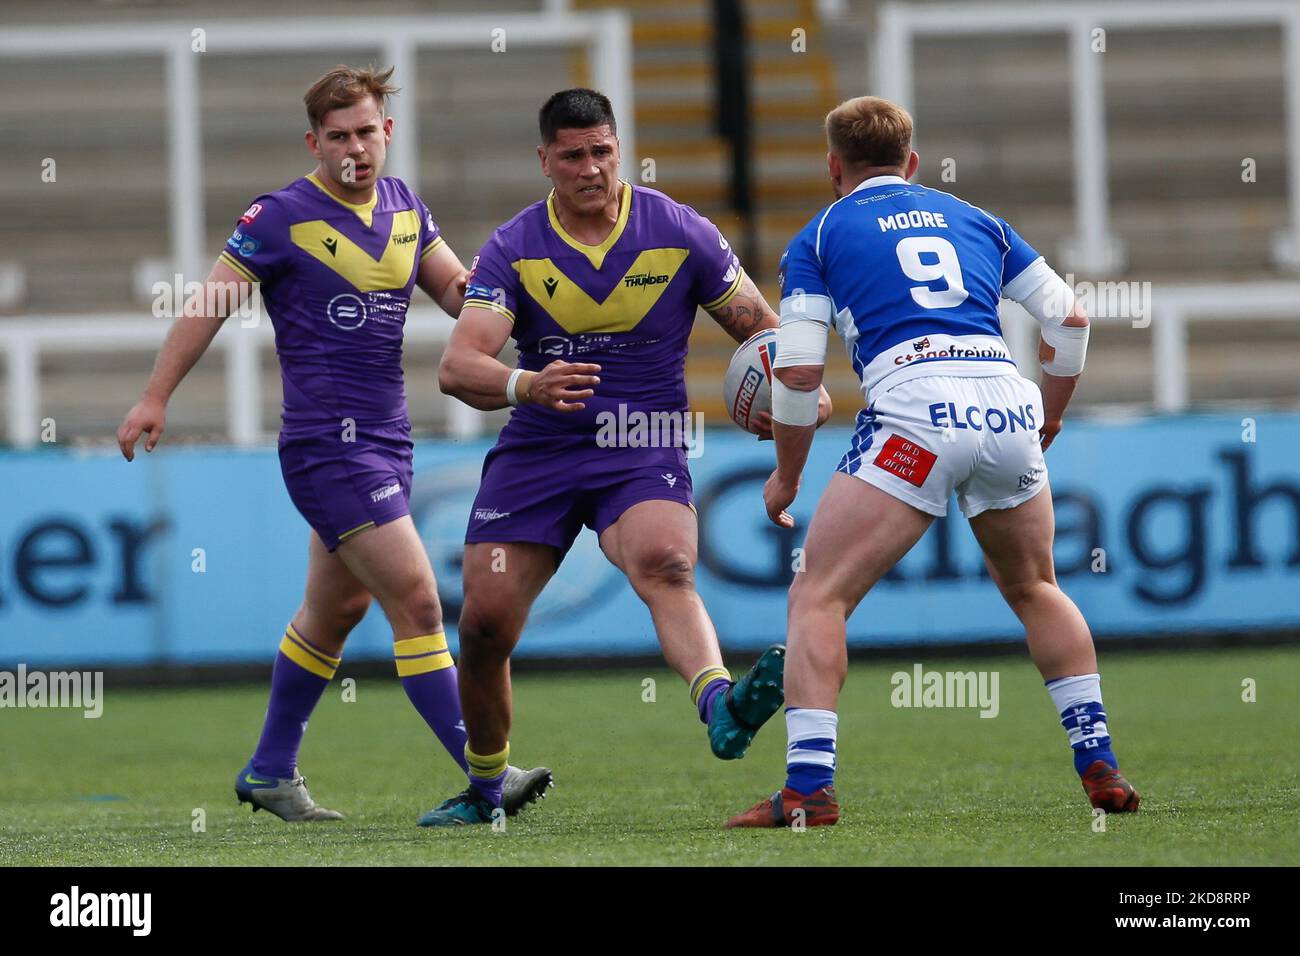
{"x":346,"y":86}
{"x":867,"y":131}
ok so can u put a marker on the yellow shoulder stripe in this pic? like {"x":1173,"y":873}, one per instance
{"x":437,"y":241}
{"x":238,"y":266}
{"x":490,"y":306}
{"x":727,"y":296}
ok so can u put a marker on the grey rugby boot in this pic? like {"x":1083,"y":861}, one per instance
{"x":287,"y":798}
{"x":522,"y":787}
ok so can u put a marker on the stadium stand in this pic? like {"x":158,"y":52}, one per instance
{"x":1183,"y":109}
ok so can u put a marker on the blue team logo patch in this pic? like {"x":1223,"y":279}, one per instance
{"x":246,"y":246}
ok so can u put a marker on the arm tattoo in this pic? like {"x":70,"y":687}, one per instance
{"x":746,"y":313}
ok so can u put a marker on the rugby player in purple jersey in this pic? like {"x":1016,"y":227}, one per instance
{"x":336,"y":255}
{"x":598,"y":285}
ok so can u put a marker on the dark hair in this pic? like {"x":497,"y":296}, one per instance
{"x":345,"y":86}
{"x":578,"y":108}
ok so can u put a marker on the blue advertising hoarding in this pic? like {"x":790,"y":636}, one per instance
{"x":188,"y":556}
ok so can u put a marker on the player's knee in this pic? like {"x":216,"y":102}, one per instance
{"x":487,"y":635}
{"x":809,"y":595}
{"x":331,"y":622}
{"x":350,"y":611}
{"x":669,"y":567}
{"x":421,"y":611}
{"x":426,"y":613}
{"x":1021,"y":595}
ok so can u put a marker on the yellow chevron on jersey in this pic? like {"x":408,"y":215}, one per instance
{"x":570,"y":307}
{"x":392,"y":270}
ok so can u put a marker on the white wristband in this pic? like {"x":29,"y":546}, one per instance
{"x":1070,"y":344}
{"x":511,"y":397}
{"x":800,"y":342}
{"x":790,"y":406}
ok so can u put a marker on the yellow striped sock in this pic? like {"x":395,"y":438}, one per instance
{"x":485,"y":767}
{"x":707,"y":676}
{"x":307,"y":657}
{"x":422,"y":655}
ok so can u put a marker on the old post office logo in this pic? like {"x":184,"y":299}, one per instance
{"x":906,"y":459}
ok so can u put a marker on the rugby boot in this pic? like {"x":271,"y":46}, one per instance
{"x":782,"y":808}
{"x":747,"y":705}
{"x":466,"y":808}
{"x":286,"y":797}
{"x":1108,"y":790}
{"x":522,"y":787}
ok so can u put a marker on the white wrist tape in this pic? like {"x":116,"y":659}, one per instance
{"x":800,"y":342}
{"x":791,"y":406}
{"x":1050,"y":300}
{"x":1071,"y":345}
{"x":511,"y":396}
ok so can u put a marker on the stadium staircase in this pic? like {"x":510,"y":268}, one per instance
{"x":793,"y":84}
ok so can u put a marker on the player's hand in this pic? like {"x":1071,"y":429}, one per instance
{"x":777,"y":496}
{"x":1047,"y":434}
{"x":824,"y":407}
{"x":763,"y":426}
{"x":563,"y":385}
{"x":147,"y":415}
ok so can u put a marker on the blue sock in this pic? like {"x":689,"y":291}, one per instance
{"x":810,"y":759}
{"x":1078,"y":700}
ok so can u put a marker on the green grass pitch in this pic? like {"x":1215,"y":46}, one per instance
{"x":637,"y":785}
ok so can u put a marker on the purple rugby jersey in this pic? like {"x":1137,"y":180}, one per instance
{"x":336,"y":279}
{"x":627,"y":304}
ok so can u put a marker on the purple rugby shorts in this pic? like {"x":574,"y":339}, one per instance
{"x":544,"y":490}
{"x":344,"y":487}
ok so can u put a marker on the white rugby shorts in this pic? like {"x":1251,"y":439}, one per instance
{"x":932,"y":435}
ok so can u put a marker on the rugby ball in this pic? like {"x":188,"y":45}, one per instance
{"x":747,"y":386}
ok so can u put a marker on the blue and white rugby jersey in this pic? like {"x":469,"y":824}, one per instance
{"x":910,"y":277}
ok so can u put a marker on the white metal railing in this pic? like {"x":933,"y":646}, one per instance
{"x":1093,"y":249}
{"x":24,"y":341}
{"x":606,"y":34}
{"x":1167,"y":311}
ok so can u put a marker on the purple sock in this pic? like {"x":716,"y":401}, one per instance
{"x":711,"y":697}
{"x":487,"y":773}
{"x":429,"y":678}
{"x":298,"y":678}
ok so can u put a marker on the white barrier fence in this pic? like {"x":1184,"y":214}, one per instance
{"x":24,"y":341}
{"x":1093,"y":248}
{"x":605,"y":34}
{"x":1168,"y":312}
